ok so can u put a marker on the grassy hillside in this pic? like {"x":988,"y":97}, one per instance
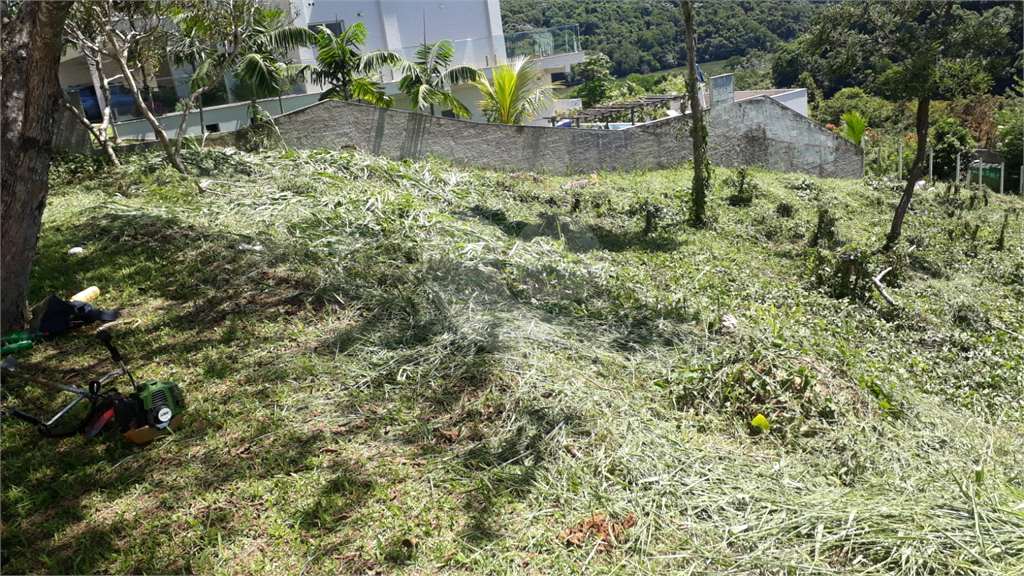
{"x":410,"y":367}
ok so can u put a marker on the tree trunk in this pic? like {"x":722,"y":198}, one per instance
{"x":117,"y":52}
{"x":916,"y":170}
{"x":98,"y":132}
{"x":698,"y":132}
{"x":30,"y":97}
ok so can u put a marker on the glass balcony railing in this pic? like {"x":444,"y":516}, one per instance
{"x":546,"y":42}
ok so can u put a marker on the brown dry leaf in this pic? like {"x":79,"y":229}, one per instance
{"x":606,"y":530}
{"x":451,"y":435}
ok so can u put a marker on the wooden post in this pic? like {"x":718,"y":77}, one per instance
{"x":1002,"y":177}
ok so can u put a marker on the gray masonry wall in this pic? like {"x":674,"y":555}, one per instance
{"x":756,"y":131}
{"x":721,"y":90}
{"x":763,"y":131}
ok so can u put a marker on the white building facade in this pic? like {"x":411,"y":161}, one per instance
{"x":401,"y":26}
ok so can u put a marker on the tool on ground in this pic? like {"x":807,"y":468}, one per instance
{"x":53,"y":316}
{"x":151,"y":410}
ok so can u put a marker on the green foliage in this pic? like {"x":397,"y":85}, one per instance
{"x":948,"y":138}
{"x":743,"y":187}
{"x":1011,"y":135}
{"x":645,"y":37}
{"x":885,"y":116}
{"x":510,"y":97}
{"x":649,"y":83}
{"x":340,"y":66}
{"x":264,"y":71}
{"x":424,"y":360}
{"x":806,"y":80}
{"x":753,"y":71}
{"x":596,"y":78}
{"x":854,"y":127}
{"x":908,"y":50}
{"x":427,"y":80}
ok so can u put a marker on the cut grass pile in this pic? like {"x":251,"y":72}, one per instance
{"x":411,"y":367}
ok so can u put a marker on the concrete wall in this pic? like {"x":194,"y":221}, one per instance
{"x":721,"y":90}
{"x":795,"y":98}
{"x":757,"y":131}
{"x":766,"y":132}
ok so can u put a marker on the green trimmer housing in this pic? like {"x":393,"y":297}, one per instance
{"x":158,"y":403}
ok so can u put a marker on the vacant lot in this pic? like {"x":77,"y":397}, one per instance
{"x":411,"y":367}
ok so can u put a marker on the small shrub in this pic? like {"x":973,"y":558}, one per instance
{"x":785,"y":210}
{"x":743,"y":188}
{"x":825,"y":230}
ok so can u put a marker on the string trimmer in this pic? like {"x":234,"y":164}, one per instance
{"x":151,"y":410}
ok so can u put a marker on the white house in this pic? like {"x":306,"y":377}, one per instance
{"x":474,"y":26}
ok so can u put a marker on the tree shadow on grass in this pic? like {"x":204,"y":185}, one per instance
{"x":508,"y":467}
{"x":206,"y":281}
{"x":54,"y":530}
{"x":578,"y":236}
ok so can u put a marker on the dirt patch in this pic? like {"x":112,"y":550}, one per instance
{"x":606,"y":530}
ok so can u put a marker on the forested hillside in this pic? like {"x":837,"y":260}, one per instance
{"x":648,"y":36}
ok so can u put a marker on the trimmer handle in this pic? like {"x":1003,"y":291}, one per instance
{"x":26,"y":417}
{"x":108,"y":341}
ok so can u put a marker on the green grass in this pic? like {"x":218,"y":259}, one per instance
{"x":426,"y":369}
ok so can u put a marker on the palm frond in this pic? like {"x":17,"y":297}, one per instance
{"x":366,"y":89}
{"x":459,"y":75}
{"x":510,"y":98}
{"x":288,"y":37}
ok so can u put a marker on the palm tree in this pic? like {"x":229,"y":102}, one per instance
{"x":511,"y":99}
{"x":429,"y":79}
{"x":263,"y":72}
{"x":257,"y":40}
{"x":339,"y":64}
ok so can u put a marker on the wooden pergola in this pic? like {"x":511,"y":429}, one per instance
{"x":599,"y":113}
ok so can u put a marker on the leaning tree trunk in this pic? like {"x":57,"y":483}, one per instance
{"x":120,"y":56}
{"x":99,"y":133}
{"x":30,"y":97}
{"x":916,"y":170}
{"x":698,"y":131}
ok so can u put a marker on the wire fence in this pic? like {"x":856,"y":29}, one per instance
{"x":893,"y":157}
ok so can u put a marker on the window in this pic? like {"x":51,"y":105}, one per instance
{"x":335,"y":27}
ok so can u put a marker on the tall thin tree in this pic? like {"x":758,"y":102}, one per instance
{"x":928,"y":49}
{"x":698,"y":130}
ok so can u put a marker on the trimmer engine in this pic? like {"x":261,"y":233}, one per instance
{"x":158,"y":402}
